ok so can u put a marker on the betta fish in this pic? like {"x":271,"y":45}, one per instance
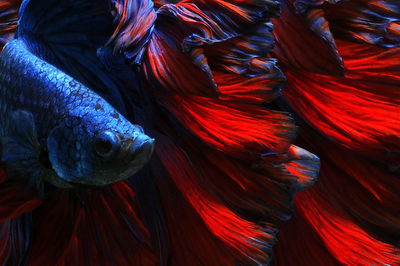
{"x":139,"y":132}
{"x":59,"y":130}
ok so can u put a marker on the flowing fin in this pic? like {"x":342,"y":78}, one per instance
{"x":16,"y":200}
{"x":110,"y":230}
{"x":234,"y":128}
{"x":218,"y":230}
{"x":16,"y":240}
{"x":72,"y":36}
{"x":299,"y":36}
{"x":196,"y":23}
{"x":241,"y":66}
{"x":227,"y":125}
{"x":309,"y":248}
{"x":375,"y":22}
{"x":8,"y":20}
{"x":56,"y":220}
{"x":21,"y":147}
{"x":21,"y":151}
{"x":135,"y":26}
{"x":208,"y":125}
{"x":351,"y":210}
{"x":360,"y":111}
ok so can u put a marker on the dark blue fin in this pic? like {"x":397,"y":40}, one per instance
{"x":21,"y":151}
{"x":17,"y":240}
{"x":21,"y":148}
{"x":151,"y":208}
{"x":72,"y":35}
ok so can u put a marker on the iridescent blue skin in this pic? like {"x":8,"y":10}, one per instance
{"x":86,"y":139}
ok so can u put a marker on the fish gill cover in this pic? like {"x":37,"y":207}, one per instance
{"x":200,"y":78}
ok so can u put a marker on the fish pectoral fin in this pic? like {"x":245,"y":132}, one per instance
{"x":21,"y":148}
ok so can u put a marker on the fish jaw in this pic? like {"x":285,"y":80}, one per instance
{"x":86,"y":167}
{"x":130,"y":159}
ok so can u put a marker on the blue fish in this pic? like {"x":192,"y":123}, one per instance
{"x":54,"y":128}
{"x":194,"y":75}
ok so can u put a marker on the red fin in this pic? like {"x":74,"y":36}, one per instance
{"x":57,"y":221}
{"x":167,"y":69}
{"x":8,"y":20}
{"x":259,"y":193}
{"x":352,"y":209}
{"x":242,"y":69}
{"x":233,"y":127}
{"x":346,"y":240}
{"x":368,"y":21}
{"x":135,"y":22}
{"x":300,"y":244}
{"x":176,"y":53}
{"x":357,"y":111}
{"x":243,"y":240}
{"x":234,"y":171}
{"x":15,"y":200}
{"x":258,"y":89}
{"x":110,"y":232}
{"x":304,"y":42}
{"x":342,"y":237}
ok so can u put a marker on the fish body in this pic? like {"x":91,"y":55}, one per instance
{"x":50,"y":119}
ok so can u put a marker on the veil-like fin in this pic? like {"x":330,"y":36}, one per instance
{"x":355,"y":132}
{"x":299,"y":36}
{"x":360,"y":111}
{"x":110,"y":230}
{"x":72,"y":35}
{"x":208,"y":125}
{"x":8,"y":20}
{"x":366,"y":21}
{"x":16,"y":200}
{"x":57,"y":221}
{"x":242,"y":68}
{"x":186,"y":111}
{"x":16,"y":240}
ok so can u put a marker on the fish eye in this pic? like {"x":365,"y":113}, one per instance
{"x":106,"y":144}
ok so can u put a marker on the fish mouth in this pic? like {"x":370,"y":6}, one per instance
{"x":136,"y":154}
{"x":142,"y":149}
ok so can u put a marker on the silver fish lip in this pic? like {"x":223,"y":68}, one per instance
{"x":142,"y":149}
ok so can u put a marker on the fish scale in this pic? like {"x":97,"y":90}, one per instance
{"x":68,"y":118}
{"x":46,"y":85}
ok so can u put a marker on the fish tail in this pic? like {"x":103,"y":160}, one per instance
{"x":227,"y":162}
{"x":351,"y":120}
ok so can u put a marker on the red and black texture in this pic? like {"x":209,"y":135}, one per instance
{"x":345,"y":89}
{"x":200,"y":76}
{"x":196,"y":76}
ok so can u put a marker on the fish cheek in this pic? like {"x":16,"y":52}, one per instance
{"x":67,"y":154}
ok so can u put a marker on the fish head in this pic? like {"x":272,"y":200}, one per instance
{"x":98,"y":148}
